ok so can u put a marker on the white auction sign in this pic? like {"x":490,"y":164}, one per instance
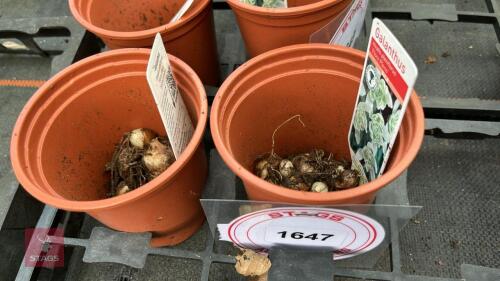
{"x":351,"y":25}
{"x":345,"y":233}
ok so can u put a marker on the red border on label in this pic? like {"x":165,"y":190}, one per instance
{"x":364,"y":246}
{"x":384,"y":63}
{"x":249,"y":239}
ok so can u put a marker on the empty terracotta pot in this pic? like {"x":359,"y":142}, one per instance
{"x":319,"y":82}
{"x":264,"y":29}
{"x":134,"y":24}
{"x":67,"y":131}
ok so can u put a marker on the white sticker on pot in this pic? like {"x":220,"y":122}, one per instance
{"x":345,"y":233}
{"x":168,"y":99}
{"x":389,"y":75}
{"x":348,"y":31}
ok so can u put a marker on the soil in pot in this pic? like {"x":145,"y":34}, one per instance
{"x":139,"y":157}
{"x":134,"y":24}
{"x":279,"y":3}
{"x":315,"y":171}
{"x":143,"y":15}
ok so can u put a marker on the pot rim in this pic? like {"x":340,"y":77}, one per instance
{"x":283,"y":12}
{"x":22,"y":124}
{"x":140,"y":34}
{"x":387,"y":177}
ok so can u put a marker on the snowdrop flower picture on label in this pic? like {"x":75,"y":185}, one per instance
{"x":374,"y":123}
{"x":356,"y":166}
{"x":273,"y":4}
{"x":394,"y":118}
{"x":368,"y":154}
{"x":378,"y":131}
{"x":380,"y":95}
{"x":372,"y":76}
{"x":267,"y":3}
{"x":361,"y":120}
{"x":362,"y":92}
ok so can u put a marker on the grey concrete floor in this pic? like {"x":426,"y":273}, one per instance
{"x":25,"y":210}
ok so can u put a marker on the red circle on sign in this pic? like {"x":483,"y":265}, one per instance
{"x":233,"y":226}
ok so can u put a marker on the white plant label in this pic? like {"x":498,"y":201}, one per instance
{"x":182,"y":10}
{"x":168,"y":99}
{"x":345,"y":233}
{"x":389,"y":75}
{"x":348,"y":31}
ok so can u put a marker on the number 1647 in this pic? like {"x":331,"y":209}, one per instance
{"x":301,"y":235}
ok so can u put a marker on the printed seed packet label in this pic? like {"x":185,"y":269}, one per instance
{"x":345,"y":233}
{"x":267,"y":3}
{"x":168,"y":99}
{"x":389,"y":75}
{"x":350,"y":27}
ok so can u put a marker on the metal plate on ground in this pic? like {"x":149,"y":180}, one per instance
{"x":106,"y":245}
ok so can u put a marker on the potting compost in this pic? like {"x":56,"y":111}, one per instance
{"x":315,"y":171}
{"x":140,"y":156}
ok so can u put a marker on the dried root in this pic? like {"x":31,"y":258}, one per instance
{"x":139,"y":157}
{"x":313,"y":171}
{"x":252,"y":264}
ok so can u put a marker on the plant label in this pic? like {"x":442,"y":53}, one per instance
{"x":267,"y":3}
{"x":345,"y":233}
{"x":389,"y":75}
{"x":350,"y":27}
{"x":168,"y":99}
{"x":182,"y":10}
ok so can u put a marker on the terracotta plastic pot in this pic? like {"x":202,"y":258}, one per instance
{"x":67,"y":131}
{"x":319,"y":82}
{"x":134,"y":24}
{"x":265,"y":29}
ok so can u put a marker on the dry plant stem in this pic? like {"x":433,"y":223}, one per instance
{"x":130,"y":166}
{"x":113,"y":165}
{"x":127,"y":166}
{"x":304,"y":170}
{"x":283,"y":124}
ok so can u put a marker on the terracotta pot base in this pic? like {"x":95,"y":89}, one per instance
{"x":169,"y":238}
